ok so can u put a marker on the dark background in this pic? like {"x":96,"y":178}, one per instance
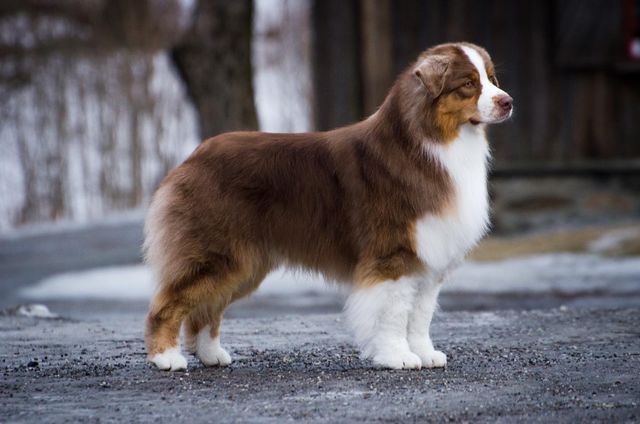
{"x":566,"y":63}
{"x":569,"y":64}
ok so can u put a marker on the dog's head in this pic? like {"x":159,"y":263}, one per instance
{"x":461,"y":87}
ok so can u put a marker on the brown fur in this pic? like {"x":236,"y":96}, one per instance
{"x":343,"y":202}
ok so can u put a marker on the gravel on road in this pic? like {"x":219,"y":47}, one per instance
{"x":558,"y":365}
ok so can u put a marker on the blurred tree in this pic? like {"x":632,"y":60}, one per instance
{"x":91,"y":24}
{"x":93,"y":115}
{"x":214,"y":60}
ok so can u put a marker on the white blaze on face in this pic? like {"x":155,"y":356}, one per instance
{"x":488,"y":109}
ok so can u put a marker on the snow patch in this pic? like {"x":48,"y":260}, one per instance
{"x":34,"y":310}
{"x":561,"y":273}
{"x":118,"y":282}
{"x":613,"y":239}
{"x":135,"y":282}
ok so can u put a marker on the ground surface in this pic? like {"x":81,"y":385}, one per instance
{"x":545,"y":366}
{"x":551,"y":338}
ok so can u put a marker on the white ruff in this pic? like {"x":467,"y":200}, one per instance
{"x":443,"y":240}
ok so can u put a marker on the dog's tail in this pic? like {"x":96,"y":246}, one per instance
{"x":157,"y":234}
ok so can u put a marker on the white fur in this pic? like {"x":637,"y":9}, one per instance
{"x":424,"y":306}
{"x":155,"y":232}
{"x":378,"y":317}
{"x":443,"y":240}
{"x":391,"y":320}
{"x":486,"y":103}
{"x":208,"y":349}
{"x":170,"y":359}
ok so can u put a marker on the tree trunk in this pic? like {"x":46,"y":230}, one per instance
{"x":214,"y":61}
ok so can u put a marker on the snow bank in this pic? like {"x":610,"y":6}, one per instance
{"x":565,"y":273}
{"x":559,"y":273}
{"x":136,"y":282}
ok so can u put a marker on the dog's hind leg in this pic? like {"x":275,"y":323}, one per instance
{"x":202,"y":333}
{"x":168,"y":309}
{"x":200,"y":317}
{"x":202,"y":328}
{"x":173,"y":303}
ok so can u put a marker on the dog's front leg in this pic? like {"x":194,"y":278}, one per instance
{"x":425,"y":304}
{"x":378,"y":316}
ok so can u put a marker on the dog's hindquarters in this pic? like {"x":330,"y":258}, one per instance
{"x":196,"y":279}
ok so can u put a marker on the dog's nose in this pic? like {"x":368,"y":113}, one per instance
{"x":505,"y":102}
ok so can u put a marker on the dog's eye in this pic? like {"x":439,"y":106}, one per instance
{"x":468,"y":84}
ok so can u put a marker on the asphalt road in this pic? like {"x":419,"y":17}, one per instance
{"x":559,"y":365}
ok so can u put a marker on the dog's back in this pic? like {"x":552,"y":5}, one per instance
{"x":249,"y":200}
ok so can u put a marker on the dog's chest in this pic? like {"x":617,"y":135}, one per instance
{"x":443,"y":240}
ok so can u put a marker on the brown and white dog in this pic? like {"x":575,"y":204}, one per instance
{"x":388,"y":205}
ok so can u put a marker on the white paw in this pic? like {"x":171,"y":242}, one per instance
{"x":211,"y":356}
{"x":433,"y":359}
{"x":398,"y":360}
{"x":209,"y":350}
{"x":170,"y":359}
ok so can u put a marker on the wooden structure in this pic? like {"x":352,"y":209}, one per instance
{"x":577,"y":94}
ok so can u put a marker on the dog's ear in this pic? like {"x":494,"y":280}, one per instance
{"x":431,"y":72}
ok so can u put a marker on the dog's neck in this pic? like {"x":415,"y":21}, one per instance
{"x":402,"y":121}
{"x":407,"y":118}
{"x":388,"y":126}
